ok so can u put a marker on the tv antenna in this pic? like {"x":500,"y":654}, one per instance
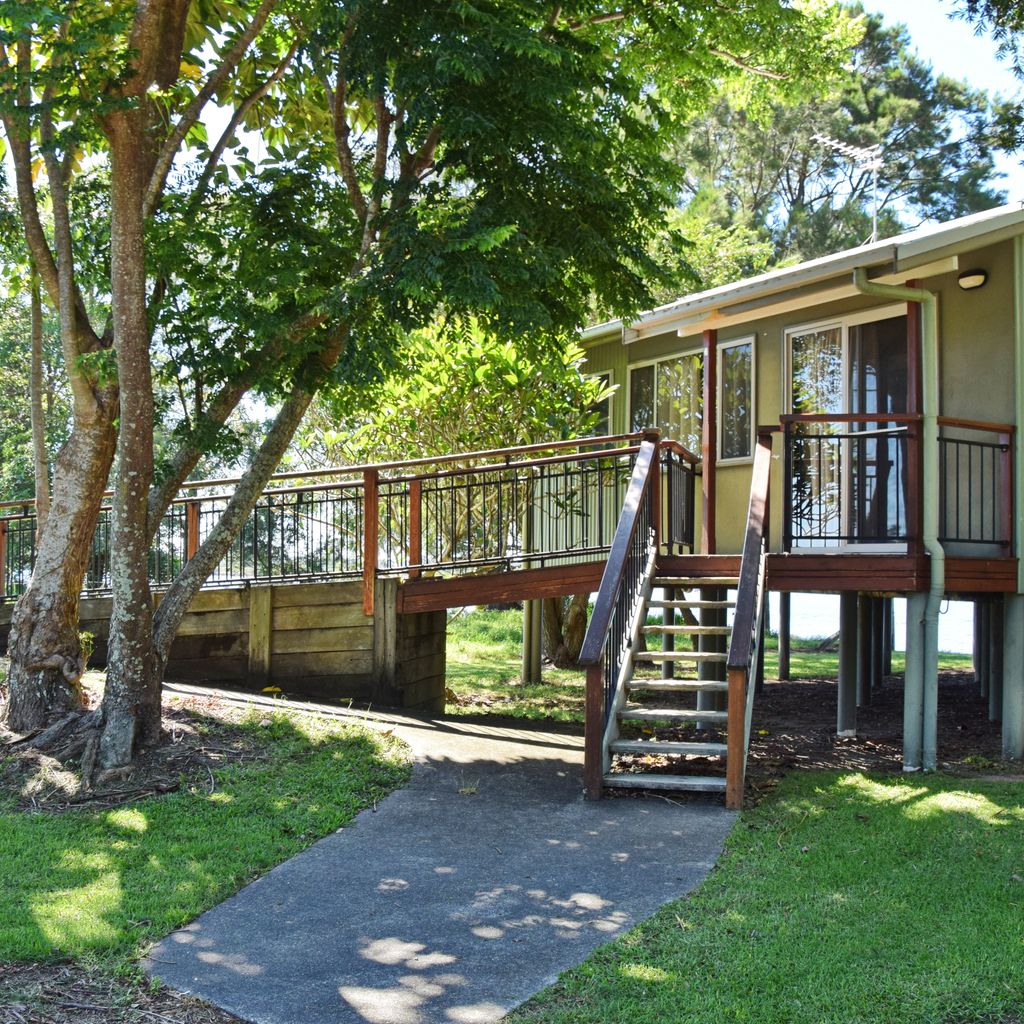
{"x":868,"y":158}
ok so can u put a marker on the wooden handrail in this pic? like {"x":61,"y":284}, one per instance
{"x":747,"y":622}
{"x":849,"y":417}
{"x":354,"y":474}
{"x":988,"y":427}
{"x":615,"y":567}
{"x":750,"y":560}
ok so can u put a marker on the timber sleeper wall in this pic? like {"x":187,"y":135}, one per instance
{"x":310,"y":639}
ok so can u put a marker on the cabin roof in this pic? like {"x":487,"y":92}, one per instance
{"x":928,"y":249}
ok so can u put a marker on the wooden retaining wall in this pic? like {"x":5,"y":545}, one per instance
{"x":310,"y":639}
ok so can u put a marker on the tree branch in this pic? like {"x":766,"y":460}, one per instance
{"x":216,"y":415}
{"x":236,"y":119}
{"x":342,"y":129}
{"x":732,"y":58}
{"x":165,"y":158}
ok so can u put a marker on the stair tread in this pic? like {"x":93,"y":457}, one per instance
{"x":667,"y":747}
{"x":672,"y":714}
{"x":693,"y":582}
{"x":679,"y":685}
{"x":714,"y":656}
{"x":654,"y":780}
{"x":691,"y":604}
{"x":687,"y":630}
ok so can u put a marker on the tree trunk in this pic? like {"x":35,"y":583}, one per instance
{"x":40,"y":462}
{"x":246,"y":493}
{"x":46,"y":656}
{"x":565,"y":626}
{"x":131,"y":697}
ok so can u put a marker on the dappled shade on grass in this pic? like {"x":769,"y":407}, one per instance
{"x":106,"y":880}
{"x":842,"y":899}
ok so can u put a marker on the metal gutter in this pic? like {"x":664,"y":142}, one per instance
{"x":899,"y":254}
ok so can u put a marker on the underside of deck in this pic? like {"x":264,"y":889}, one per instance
{"x":798,"y":573}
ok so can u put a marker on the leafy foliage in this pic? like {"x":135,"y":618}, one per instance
{"x":456,"y":388}
{"x":757,"y":169}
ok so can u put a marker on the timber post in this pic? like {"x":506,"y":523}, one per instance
{"x":593,"y":732}
{"x":415,"y":527}
{"x":1013,"y":678}
{"x":371,"y":536}
{"x":995,"y":660}
{"x":260,"y":634}
{"x":3,"y":559}
{"x":846,"y":707}
{"x":785,"y":634}
{"x":191,"y":530}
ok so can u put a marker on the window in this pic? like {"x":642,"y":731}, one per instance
{"x":736,"y":399}
{"x":668,"y":395}
{"x":603,"y":426}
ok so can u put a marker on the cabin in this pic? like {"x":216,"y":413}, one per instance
{"x":848,"y":425}
{"x":885,"y":386}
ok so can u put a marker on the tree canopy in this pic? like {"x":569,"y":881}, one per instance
{"x":769,"y":169}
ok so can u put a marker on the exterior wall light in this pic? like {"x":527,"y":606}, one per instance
{"x":971,"y":279}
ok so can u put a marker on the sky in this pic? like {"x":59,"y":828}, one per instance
{"x":952,"y":48}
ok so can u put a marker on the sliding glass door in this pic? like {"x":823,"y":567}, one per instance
{"x":848,"y":478}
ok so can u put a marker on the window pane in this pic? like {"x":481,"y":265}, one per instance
{"x":737,"y":401}
{"x":603,"y":409}
{"x":641,"y":398}
{"x":817,"y":371}
{"x":680,"y":385}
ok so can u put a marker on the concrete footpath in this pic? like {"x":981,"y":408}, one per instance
{"x":456,"y":899}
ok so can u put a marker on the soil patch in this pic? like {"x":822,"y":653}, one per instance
{"x":65,"y":993}
{"x":199,"y":734}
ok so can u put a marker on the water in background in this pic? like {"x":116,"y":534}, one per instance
{"x":818,"y":615}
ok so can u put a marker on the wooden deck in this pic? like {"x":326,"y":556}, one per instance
{"x":827,"y":573}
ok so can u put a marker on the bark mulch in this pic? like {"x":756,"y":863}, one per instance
{"x":68,"y":993}
{"x":199,"y":734}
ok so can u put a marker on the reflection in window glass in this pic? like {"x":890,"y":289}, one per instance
{"x":737,"y":402}
{"x":641,"y":398}
{"x":680,"y":386}
{"x":603,"y":425}
{"x":817,"y":371}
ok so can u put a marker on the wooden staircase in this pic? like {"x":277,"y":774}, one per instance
{"x":647,"y":741}
{"x":684,"y":717}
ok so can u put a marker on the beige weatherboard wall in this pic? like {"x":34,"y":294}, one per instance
{"x":976,"y":333}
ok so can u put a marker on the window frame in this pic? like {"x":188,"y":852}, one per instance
{"x":844,"y":322}
{"x":610,"y":374}
{"x":643,"y":364}
{"x":751,"y":340}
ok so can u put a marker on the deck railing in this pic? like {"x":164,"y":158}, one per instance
{"x":848,"y":479}
{"x":745,"y":661}
{"x":528,"y":506}
{"x":614,"y":623}
{"x":855,"y":479}
{"x":976,"y":483}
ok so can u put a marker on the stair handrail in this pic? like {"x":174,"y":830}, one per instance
{"x":746,"y":648}
{"x":639,"y":509}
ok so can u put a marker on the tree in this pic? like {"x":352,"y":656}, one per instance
{"x":496,"y":158}
{"x":1004,"y":19}
{"x":763,"y":167}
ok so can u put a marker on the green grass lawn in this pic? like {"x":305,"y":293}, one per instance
{"x":485,"y":660}
{"x":104,"y":882}
{"x":843,"y":899}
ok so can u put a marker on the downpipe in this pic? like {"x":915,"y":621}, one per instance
{"x":929,"y":625}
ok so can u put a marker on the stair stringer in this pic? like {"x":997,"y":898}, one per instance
{"x":611,"y":731}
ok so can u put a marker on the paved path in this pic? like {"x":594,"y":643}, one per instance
{"x":459,"y":897}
